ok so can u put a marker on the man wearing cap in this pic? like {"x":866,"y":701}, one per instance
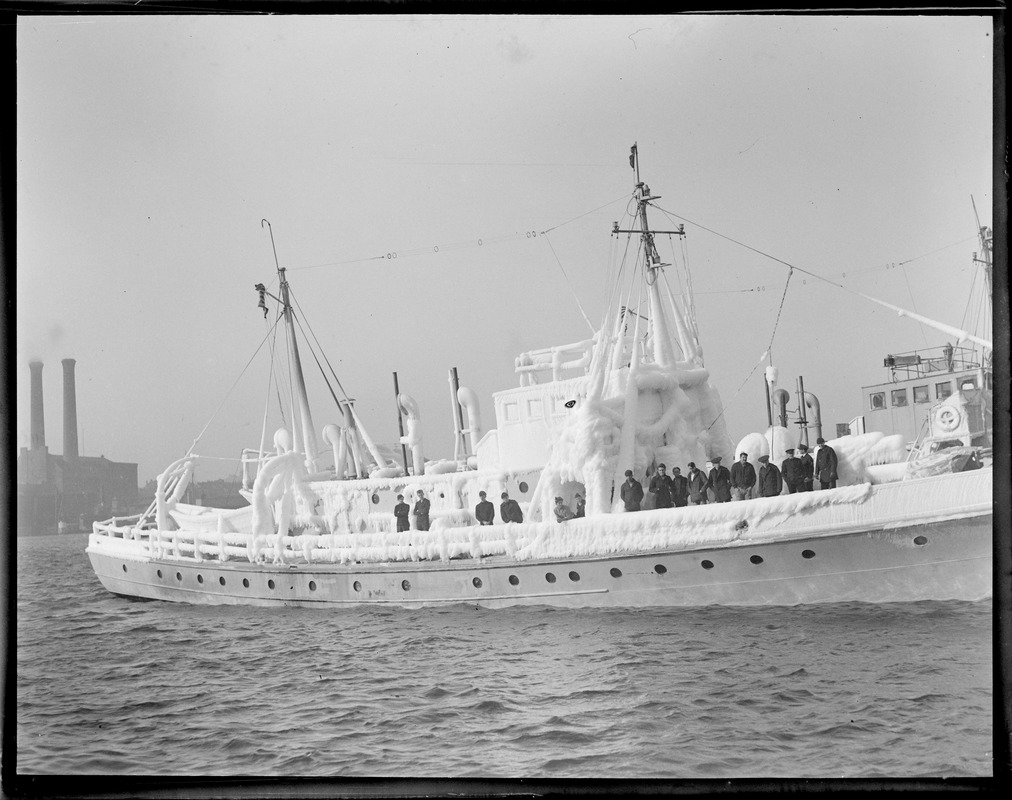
{"x":421,"y":512}
{"x":401,"y":511}
{"x":681,"y":491}
{"x":509,"y":509}
{"x":697,"y":486}
{"x":562,"y":511}
{"x":825,"y":464}
{"x":807,"y":469}
{"x":632,"y":492}
{"x":770,"y":481}
{"x":742,"y":478}
{"x":791,"y":472}
{"x":484,"y":512}
{"x":662,"y":488}
{"x":720,"y":481}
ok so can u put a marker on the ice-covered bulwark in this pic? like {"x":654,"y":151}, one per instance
{"x":863,"y":458}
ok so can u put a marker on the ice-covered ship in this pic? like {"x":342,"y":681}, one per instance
{"x":320,"y":526}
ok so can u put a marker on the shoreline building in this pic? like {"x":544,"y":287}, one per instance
{"x":68,"y":492}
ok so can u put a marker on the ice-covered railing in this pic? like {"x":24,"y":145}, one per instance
{"x":574,"y":356}
{"x":251,"y":461}
{"x":169,"y":491}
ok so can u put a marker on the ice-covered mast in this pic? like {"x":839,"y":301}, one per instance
{"x":308,"y":443}
{"x":662,"y":342}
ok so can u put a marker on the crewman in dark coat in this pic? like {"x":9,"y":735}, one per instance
{"x":421,"y":511}
{"x":662,"y":488}
{"x":401,"y":511}
{"x":720,"y":481}
{"x":484,"y":512}
{"x":680,"y":493}
{"x":581,"y":506}
{"x":825,"y":464}
{"x":509,"y":509}
{"x":632,"y":492}
{"x":697,"y":485}
{"x":791,"y":472}
{"x":770,"y":480}
{"x":807,"y":469}
{"x":562,"y":511}
{"x":743,"y":477}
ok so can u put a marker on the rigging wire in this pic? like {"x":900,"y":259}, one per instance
{"x":769,"y":353}
{"x":229,"y":392}
{"x":859,"y":270}
{"x":580,"y":216}
{"x":913,"y":303}
{"x":337,"y":380}
{"x":569,"y":283}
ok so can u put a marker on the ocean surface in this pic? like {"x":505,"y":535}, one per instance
{"x":113,"y":686}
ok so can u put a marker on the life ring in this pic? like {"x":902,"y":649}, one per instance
{"x":948,"y":418}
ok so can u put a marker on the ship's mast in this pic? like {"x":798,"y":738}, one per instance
{"x":662,"y":342}
{"x":308,"y":444}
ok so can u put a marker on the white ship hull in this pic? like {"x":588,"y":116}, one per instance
{"x":927,"y":556}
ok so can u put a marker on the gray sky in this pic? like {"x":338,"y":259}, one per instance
{"x":149,"y":149}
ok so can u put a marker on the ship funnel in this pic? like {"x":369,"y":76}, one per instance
{"x":69,"y":410}
{"x":38,"y":437}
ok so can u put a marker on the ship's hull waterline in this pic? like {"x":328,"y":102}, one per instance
{"x":945,"y":560}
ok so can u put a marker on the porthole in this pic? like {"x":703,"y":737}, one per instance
{"x":200,"y":579}
{"x":357,"y":586}
{"x":245,"y":582}
{"x":270,"y":584}
{"x":406,"y":585}
{"x":514,"y":580}
{"x":179,"y":577}
{"x":441,"y":496}
{"x":476,"y":582}
{"x":616,"y":572}
{"x":574,"y":576}
{"x":124,"y":567}
{"x":660,"y":569}
{"x":756,"y":559}
{"x":549,"y":577}
{"x":705,"y":564}
{"x":523,"y":487}
{"x":221,"y":581}
{"x":375,"y":499}
{"x":920,"y":540}
{"x":808,"y":554}
{"x":312,"y":586}
{"x":159,"y":573}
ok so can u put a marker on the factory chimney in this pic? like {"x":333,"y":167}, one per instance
{"x":38,"y":439}
{"x":69,"y":410}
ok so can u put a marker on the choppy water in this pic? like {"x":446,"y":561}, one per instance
{"x":107,"y":685}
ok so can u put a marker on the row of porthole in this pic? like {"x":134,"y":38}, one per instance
{"x":221,"y":580}
{"x":574,"y":576}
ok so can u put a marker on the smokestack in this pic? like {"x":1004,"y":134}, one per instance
{"x":69,"y":410}
{"x":38,"y":439}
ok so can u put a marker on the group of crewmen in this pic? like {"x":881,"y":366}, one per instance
{"x":797,"y":473}
{"x":722,"y":485}
{"x":484,"y":512}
